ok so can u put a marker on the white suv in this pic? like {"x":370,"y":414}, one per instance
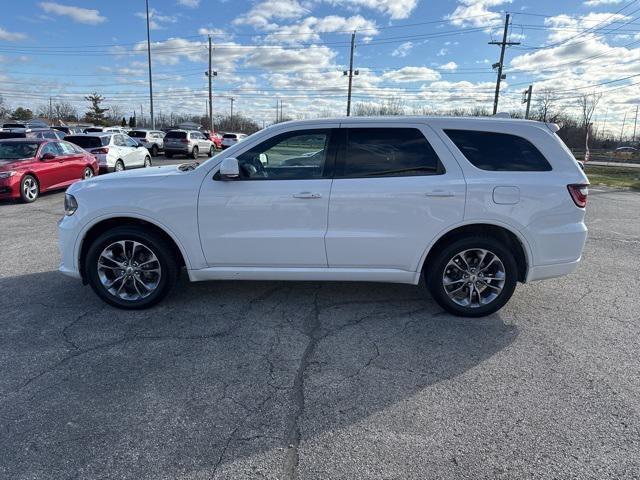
{"x":472,"y":205}
{"x":187,"y":142}
{"x":115,"y":151}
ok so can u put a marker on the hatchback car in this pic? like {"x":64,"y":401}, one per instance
{"x":471,"y":205}
{"x":115,"y":152}
{"x":187,"y":142}
{"x":152,"y":140}
{"x":31,"y":166}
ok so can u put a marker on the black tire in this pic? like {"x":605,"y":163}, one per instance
{"x":87,"y":173}
{"x":212,"y":151}
{"x":154,"y":151}
{"x":435,"y":271}
{"x":168,"y":154}
{"x":29,"y":189}
{"x":162,"y":250}
{"x":147,"y":162}
{"x":119,"y":166}
{"x":195,"y":153}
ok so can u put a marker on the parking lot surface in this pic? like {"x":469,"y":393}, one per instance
{"x":309,"y":380}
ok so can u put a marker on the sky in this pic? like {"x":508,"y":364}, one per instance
{"x":426,"y":54}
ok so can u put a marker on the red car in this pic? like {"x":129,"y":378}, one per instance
{"x":30,"y":166}
{"x":216,"y":138}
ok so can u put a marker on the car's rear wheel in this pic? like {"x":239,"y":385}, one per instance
{"x":212,"y":151}
{"x":147,"y":162}
{"x":87,"y":173}
{"x":131,"y":268}
{"x":154,"y":151}
{"x":29,"y":189}
{"x":194,"y":152}
{"x":119,"y":166}
{"x":472,"y":276}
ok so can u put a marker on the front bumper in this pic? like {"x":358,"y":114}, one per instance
{"x":10,"y":187}
{"x":67,"y":237}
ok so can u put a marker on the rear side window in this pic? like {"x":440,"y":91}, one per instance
{"x":138,"y":134}
{"x":176,"y":135}
{"x":388,"y":152}
{"x":499,"y":151}
{"x":87,"y":141}
{"x":230,"y":135}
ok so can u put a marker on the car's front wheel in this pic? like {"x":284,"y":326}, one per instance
{"x":472,"y":276}
{"x":147,"y":162}
{"x":131,"y":268}
{"x":29,"y":189}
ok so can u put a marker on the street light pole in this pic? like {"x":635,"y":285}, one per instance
{"x":153,"y":123}
{"x":231,"y":116}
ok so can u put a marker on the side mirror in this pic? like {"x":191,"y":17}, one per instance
{"x":47,"y":156}
{"x":264,"y":158}
{"x":229,"y":169}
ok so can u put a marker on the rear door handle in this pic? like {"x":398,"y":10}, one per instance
{"x":440,"y":193}
{"x":307,"y":195}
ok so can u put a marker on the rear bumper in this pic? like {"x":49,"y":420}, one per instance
{"x":543,"y":272}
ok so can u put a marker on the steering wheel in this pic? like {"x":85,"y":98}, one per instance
{"x":254,"y":168}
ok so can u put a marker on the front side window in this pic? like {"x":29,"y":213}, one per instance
{"x":292,"y":155}
{"x":498,"y":151}
{"x":130,"y":141}
{"x":119,"y":141}
{"x":66,"y":148}
{"x":49,"y":148}
{"x":388,"y":152}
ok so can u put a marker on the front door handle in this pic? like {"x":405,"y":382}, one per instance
{"x":440,"y":193}
{"x":307,"y":195}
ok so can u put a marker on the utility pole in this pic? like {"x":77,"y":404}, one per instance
{"x":281,"y":115}
{"x":503,"y":44}
{"x":153,"y":123}
{"x":351,"y":72}
{"x":635,"y":123}
{"x":210,"y":74}
{"x":50,"y":110}
{"x":604,"y":125}
{"x":624,"y":120}
{"x":141,"y":115}
{"x":527,"y":99}
{"x":231,"y":116}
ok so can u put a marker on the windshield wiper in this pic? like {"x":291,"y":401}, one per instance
{"x":185,"y":167}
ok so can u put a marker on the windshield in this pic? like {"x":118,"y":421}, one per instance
{"x":87,"y":141}
{"x":18,"y":151}
{"x":138,"y":134}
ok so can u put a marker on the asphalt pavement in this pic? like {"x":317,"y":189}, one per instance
{"x":246,"y":380}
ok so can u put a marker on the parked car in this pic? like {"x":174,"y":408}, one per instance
{"x":471,"y":205}
{"x":27,"y":124}
{"x":68,"y":130}
{"x":230,"y":139}
{"x":31,"y":133}
{"x":115,"y":152}
{"x":152,"y":140}
{"x":626,"y":150}
{"x":29,"y":167}
{"x":187,"y":142}
{"x":216,"y":138}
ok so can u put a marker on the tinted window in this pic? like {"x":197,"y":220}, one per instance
{"x":49,"y":148}
{"x":230,"y":135}
{"x":66,"y":148}
{"x":137,"y":134}
{"x":176,"y":135}
{"x":18,"y":151}
{"x":92,"y":130}
{"x":498,"y":151}
{"x":388,"y":152}
{"x":130,"y":141}
{"x":292,"y":155}
{"x":87,"y":141}
{"x":12,"y":135}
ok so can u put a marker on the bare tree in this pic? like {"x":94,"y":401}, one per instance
{"x":544,"y":106}
{"x":5,"y":111}
{"x":115,"y":114}
{"x":64,"y":111}
{"x":588,"y":103}
{"x":391,"y":106}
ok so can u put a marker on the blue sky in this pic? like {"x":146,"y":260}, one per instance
{"x":427,"y":54}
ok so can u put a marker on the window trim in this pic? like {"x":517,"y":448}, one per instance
{"x":470,"y":163}
{"x":342,"y":154}
{"x":329,"y":163}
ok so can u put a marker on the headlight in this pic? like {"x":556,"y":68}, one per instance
{"x":70,"y":204}
{"x":8,"y":174}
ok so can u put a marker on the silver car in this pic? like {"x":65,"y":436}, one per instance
{"x":187,"y":142}
{"x":153,"y":140}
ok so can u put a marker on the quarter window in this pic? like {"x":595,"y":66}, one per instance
{"x":293,"y":155}
{"x":388,"y":152}
{"x":498,"y":151}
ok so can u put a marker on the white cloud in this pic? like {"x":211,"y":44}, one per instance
{"x":596,"y":3}
{"x":157,"y":21}
{"x":80,"y":15}
{"x":403,"y":50}
{"x":451,"y":66}
{"x":310,"y":28}
{"x":262,"y":13}
{"x":476,"y":13}
{"x":411,"y":74}
{"x":11,"y":36}
{"x":278,"y":58}
{"x":395,"y":9}
{"x":442,"y":52}
{"x":218,"y":32}
{"x":189,"y":3}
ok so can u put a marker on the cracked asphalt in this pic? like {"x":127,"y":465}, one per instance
{"x":320,"y":381}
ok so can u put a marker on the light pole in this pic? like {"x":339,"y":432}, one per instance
{"x":153,"y":123}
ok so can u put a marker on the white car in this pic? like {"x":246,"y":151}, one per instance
{"x":115,"y":151}
{"x":230,"y":139}
{"x":471,"y":205}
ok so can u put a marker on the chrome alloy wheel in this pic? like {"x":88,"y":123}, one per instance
{"x":30,"y":188}
{"x":129,"y":270}
{"x":474,"y":278}
{"x":88,"y":173}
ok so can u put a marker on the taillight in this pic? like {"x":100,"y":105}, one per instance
{"x":103,"y":150}
{"x":579,"y":193}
